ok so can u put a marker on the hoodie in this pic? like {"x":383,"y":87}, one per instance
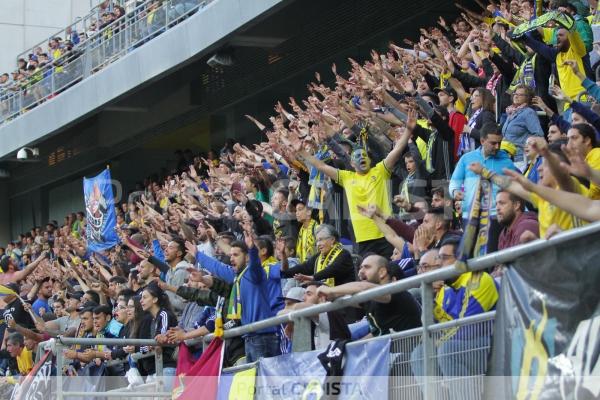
{"x":176,"y":277}
{"x":510,"y":235}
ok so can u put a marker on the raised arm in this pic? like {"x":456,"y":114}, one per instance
{"x":576,"y":204}
{"x":502,"y":181}
{"x":389,"y":233}
{"x":20,"y":275}
{"x":394,"y":156}
{"x":328,"y":170}
{"x":332,"y":293}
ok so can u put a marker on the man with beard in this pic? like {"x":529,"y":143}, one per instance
{"x":363,"y":186}
{"x":44,"y":293}
{"x":518,"y":226}
{"x":147,"y":273}
{"x":175,"y":268}
{"x":397,"y":312}
{"x":67,"y":325}
{"x":248,"y":297}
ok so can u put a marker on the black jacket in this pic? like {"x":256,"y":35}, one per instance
{"x":341,"y":269}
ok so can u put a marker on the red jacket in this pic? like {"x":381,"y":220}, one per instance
{"x":457,"y":122}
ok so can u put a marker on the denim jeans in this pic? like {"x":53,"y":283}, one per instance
{"x":265,"y":345}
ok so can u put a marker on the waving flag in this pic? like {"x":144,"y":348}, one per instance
{"x":201,"y":381}
{"x":37,"y":384}
{"x":100,"y":211}
{"x":5,"y":291}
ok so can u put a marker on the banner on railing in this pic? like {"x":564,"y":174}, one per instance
{"x":37,"y":384}
{"x":360,"y":371}
{"x":100,"y":212}
{"x":547,"y":330}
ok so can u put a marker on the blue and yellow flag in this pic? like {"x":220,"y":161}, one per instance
{"x":100,"y":212}
{"x":5,"y":291}
{"x":476,"y":234}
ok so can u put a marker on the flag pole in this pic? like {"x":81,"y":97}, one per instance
{"x":30,"y":310}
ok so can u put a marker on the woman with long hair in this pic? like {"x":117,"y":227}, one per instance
{"x":481,"y":112}
{"x":156,"y":302}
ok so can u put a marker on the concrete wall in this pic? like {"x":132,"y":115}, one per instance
{"x":24,"y":23}
{"x":5,"y":214}
{"x":191,"y":38}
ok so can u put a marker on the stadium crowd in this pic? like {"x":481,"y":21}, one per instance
{"x":307,"y":215}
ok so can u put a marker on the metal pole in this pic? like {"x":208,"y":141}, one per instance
{"x":426,"y":342}
{"x":158,"y":364}
{"x":302,"y":338}
{"x":167,"y":8}
{"x":60,"y":361}
{"x":108,"y":342}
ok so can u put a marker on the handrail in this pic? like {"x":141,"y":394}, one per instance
{"x":443,"y":273}
{"x":94,"y":12}
{"x":30,"y":93}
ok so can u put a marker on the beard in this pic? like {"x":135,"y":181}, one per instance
{"x":506,"y":220}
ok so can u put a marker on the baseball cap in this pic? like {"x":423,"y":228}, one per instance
{"x":295,"y":294}
{"x":448,"y":90}
{"x":88,"y":306}
{"x":75,"y":295}
{"x":432,"y":95}
{"x":295,"y":202}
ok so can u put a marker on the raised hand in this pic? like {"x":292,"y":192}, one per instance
{"x":369,"y":211}
{"x":519,"y":178}
{"x":191,"y":248}
{"x":577,"y":165}
{"x":476,"y":168}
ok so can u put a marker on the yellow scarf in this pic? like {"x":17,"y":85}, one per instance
{"x":324,"y":261}
{"x":305,"y":246}
{"x":235,"y":298}
{"x":268,"y":263}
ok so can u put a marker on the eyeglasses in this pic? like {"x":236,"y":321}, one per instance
{"x":427,"y":267}
{"x":445,"y":257}
{"x":323,"y":238}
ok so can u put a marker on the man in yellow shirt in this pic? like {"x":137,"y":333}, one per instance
{"x":582,"y":139}
{"x":569,"y":46}
{"x":20,"y":358}
{"x":364,"y":186}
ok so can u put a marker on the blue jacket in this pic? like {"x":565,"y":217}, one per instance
{"x":254,"y":287}
{"x":463,"y":177}
{"x":521,"y":125}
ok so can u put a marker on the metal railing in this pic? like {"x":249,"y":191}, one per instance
{"x":155,"y":388}
{"x":423,"y":362}
{"x":108,"y":45}
{"x":81,"y":25}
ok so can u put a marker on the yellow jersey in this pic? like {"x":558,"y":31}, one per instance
{"x":549,"y":214}
{"x":370,"y":188}
{"x":593,"y":159}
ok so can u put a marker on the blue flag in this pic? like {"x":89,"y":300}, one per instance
{"x":100,"y":212}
